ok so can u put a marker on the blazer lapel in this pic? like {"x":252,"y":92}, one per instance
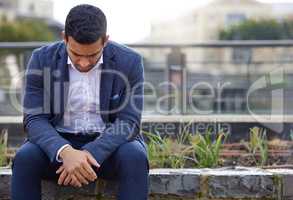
{"x":106,"y":84}
{"x":62,"y":69}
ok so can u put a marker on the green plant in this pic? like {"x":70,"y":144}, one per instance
{"x":3,"y":144}
{"x":206,"y":150}
{"x":2,"y":154}
{"x":185,"y":150}
{"x":263,"y":29}
{"x":268,"y":29}
{"x":153,"y":149}
{"x":167,"y":152}
{"x":258,"y":145}
{"x":25,"y":30}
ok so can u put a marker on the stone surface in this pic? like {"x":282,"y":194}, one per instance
{"x":103,"y":189}
{"x":286,"y":176}
{"x":4,"y":184}
{"x":175,"y":182}
{"x":182,"y":184}
{"x":240,"y":183}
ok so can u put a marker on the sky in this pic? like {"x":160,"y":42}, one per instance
{"x":129,"y":20}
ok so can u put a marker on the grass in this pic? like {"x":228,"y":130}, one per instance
{"x":2,"y":155}
{"x":257,"y":145}
{"x":185,"y":150}
{"x":166,"y":152}
{"x":206,"y":150}
{"x":3,"y":143}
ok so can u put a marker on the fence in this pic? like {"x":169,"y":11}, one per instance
{"x":219,"y":77}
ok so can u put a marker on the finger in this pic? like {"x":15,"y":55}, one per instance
{"x":62,"y":177}
{"x":75,"y":181}
{"x":72,"y":181}
{"x":85,"y":174}
{"x":92,"y":160}
{"x":81,"y":178}
{"x":60,"y":169}
{"x":67,"y":179}
{"x":90,"y":170}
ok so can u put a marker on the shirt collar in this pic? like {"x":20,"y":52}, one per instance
{"x":99,"y":63}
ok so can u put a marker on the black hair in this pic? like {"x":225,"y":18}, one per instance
{"x":86,"y":24}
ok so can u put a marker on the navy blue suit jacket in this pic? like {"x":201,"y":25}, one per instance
{"x":121,"y":98}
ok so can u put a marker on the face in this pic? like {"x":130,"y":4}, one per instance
{"x":84,"y":56}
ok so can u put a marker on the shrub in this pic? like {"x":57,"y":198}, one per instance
{"x":206,"y":150}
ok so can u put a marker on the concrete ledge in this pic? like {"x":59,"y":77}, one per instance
{"x":187,"y":184}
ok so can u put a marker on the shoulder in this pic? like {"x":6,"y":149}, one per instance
{"x":48,"y":51}
{"x":126,"y":59}
{"x":122,"y":52}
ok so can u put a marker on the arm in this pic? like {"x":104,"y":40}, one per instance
{"x":36,"y":120}
{"x":127,"y":124}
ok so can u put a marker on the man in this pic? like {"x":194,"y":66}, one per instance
{"x":82,"y":105}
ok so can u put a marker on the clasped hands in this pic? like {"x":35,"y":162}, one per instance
{"x":76,"y":169}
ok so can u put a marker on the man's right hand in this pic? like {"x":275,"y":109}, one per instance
{"x":77,"y":167}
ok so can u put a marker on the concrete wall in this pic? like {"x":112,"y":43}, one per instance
{"x":187,"y":184}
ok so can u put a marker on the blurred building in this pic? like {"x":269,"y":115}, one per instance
{"x":12,"y":64}
{"x":204,"y":23}
{"x":239,"y":68}
{"x":26,"y":8}
{"x":30,"y":9}
{"x":282,"y":11}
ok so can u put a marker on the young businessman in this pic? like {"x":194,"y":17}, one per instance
{"x":82,"y":106}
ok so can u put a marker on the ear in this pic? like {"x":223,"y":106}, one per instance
{"x":106,"y":40}
{"x":63,"y":36}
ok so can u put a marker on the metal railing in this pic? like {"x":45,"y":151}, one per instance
{"x":202,"y":78}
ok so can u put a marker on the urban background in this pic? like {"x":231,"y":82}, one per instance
{"x":194,"y":63}
{"x":218,"y":65}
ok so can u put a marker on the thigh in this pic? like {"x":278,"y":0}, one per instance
{"x":130,"y":152}
{"x":32,"y":158}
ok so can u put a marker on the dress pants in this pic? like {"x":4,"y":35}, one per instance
{"x":128,"y":165}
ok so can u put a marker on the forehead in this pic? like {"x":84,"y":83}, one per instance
{"x":84,"y":49}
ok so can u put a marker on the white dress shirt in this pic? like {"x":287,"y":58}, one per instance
{"x":81,"y":114}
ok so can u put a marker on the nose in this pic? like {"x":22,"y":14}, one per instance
{"x":83,"y":62}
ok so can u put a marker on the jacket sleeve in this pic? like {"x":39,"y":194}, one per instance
{"x":127,"y":123}
{"x":36,"y":110}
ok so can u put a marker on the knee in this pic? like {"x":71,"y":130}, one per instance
{"x":132,"y":156}
{"x":29,"y":155}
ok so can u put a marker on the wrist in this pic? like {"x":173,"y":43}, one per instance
{"x":65,"y":151}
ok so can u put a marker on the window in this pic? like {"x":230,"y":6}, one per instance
{"x":31,"y":8}
{"x":241,"y":55}
{"x":234,"y":18}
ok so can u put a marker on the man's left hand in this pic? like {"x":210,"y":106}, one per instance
{"x":72,"y":179}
